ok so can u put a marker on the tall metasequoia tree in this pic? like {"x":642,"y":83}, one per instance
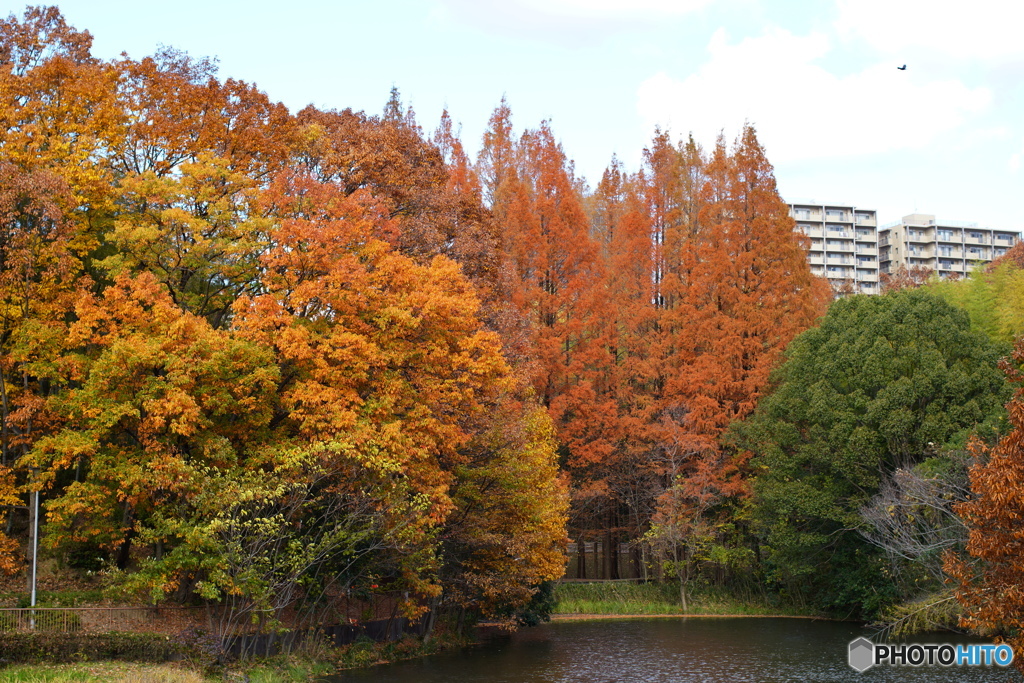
{"x":550,"y":267}
{"x":990,"y":577}
{"x":733,"y":288}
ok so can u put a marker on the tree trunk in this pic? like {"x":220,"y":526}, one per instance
{"x":612,"y":543}
{"x":581,"y":558}
{"x":428,"y":631}
{"x":681,"y":573}
{"x":124,"y":551}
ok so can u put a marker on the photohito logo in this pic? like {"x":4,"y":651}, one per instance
{"x":864,"y":654}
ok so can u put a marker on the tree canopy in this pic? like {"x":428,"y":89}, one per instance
{"x":882,"y":383}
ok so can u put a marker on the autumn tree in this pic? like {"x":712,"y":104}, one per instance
{"x":733,"y":290}
{"x":58,"y":110}
{"x":988,"y":576}
{"x":155,"y":394}
{"x":905,"y":278}
{"x":176,"y":110}
{"x":506,"y":535}
{"x":382,"y":353}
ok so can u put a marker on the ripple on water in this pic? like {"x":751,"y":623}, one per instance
{"x":655,"y":650}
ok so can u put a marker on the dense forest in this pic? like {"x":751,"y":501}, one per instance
{"x":264,"y":358}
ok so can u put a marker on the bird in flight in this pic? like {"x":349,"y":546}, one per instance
{"x":902,"y":68}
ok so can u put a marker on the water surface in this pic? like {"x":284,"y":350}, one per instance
{"x":685,"y":649}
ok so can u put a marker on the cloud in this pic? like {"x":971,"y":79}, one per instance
{"x":982,"y":29}
{"x":800,"y":109}
{"x":1014,"y":162}
{"x":651,"y":9}
{"x":573,"y":22}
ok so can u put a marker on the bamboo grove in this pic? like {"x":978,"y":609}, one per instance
{"x":264,"y":358}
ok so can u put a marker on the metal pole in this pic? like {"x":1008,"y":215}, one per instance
{"x":35,"y":553}
{"x":35,"y":547}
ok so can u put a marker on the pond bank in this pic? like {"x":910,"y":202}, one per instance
{"x":575,"y":602}
{"x":599,"y":617}
{"x":658,"y":599}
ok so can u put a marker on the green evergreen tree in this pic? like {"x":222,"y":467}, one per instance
{"x":883,"y":383}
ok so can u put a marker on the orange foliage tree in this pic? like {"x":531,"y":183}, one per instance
{"x":710,"y":283}
{"x":990,"y":576}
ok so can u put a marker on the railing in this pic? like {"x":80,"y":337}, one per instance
{"x":99,"y":619}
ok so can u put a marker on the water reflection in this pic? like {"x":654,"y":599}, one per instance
{"x":694,"y":649}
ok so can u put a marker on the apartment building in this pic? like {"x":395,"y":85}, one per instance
{"x":844,"y":244}
{"x":949,"y":248}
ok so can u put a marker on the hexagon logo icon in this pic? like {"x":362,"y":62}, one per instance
{"x":862,"y":654}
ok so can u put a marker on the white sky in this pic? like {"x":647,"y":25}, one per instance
{"x":817,"y":79}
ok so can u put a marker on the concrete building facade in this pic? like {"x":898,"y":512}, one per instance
{"x":949,"y":248}
{"x":843,"y":244}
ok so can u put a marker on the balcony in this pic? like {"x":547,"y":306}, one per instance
{"x":832,"y":215}
{"x":810,"y":230}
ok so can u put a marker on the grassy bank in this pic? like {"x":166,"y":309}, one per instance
{"x":310,"y":663}
{"x":606,"y":598}
{"x":653,"y":598}
{"x":101,"y":671}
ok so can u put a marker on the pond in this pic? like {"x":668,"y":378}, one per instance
{"x":682,"y":649}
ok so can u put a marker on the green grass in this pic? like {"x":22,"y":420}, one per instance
{"x":101,"y":671}
{"x":654,"y":598}
{"x":65,"y":598}
{"x":277,"y":671}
